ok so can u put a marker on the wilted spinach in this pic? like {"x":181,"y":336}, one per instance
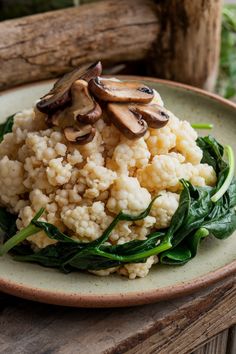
{"x":202,"y":211}
{"x":6,"y":127}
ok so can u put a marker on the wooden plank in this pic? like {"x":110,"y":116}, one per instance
{"x":170,"y":34}
{"x":176,"y":327}
{"x":231,"y":347}
{"x":217,"y":345}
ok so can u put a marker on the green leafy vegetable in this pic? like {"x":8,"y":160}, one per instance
{"x":202,"y":211}
{"x":6,"y":127}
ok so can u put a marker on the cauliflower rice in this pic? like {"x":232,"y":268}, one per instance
{"x":82,"y":188}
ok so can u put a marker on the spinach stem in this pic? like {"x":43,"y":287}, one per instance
{"x":202,"y":126}
{"x":18,"y":238}
{"x":230,"y":155}
{"x":136,"y":257}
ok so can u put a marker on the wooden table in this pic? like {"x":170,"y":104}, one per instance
{"x":202,"y":323}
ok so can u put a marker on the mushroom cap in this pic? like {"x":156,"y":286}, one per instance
{"x":80,"y":135}
{"x":59,"y":96}
{"x":129,"y":122}
{"x":156,"y":116}
{"x":120,"y":91}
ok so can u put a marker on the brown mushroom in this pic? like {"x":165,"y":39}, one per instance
{"x":120,"y":91}
{"x":59,"y":96}
{"x":156,"y":116}
{"x":128,"y":121}
{"x":80,"y":135}
{"x":84,"y":109}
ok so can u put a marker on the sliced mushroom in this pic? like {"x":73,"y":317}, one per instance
{"x":155,"y":115}
{"x":80,"y":135}
{"x":84,"y":109}
{"x":59,"y":96}
{"x":129,"y":122}
{"x":120,"y":91}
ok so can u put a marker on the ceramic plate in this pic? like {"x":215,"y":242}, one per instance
{"x":215,"y":260}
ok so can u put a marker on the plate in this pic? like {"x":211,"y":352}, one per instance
{"x":215,"y":260}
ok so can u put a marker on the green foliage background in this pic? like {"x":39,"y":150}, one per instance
{"x":226,"y":85}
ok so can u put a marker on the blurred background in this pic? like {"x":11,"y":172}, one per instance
{"x":226,"y":83}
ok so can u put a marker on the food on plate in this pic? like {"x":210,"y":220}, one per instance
{"x":100,"y":176}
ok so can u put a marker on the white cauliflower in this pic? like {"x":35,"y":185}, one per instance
{"x":130,"y":154}
{"x":97,"y":178}
{"x":140,"y":270}
{"x":11,"y":182}
{"x":164,"y":172}
{"x":161,"y":141}
{"x":88,"y":223}
{"x":127,"y":195}
{"x":164,"y":208}
{"x":57,"y":172}
{"x":186,"y":138}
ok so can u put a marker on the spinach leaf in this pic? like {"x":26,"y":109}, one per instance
{"x":7,"y":222}
{"x":6,"y":127}
{"x":199,"y":214}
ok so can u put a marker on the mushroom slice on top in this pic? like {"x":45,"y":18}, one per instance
{"x":129,"y":122}
{"x":59,"y":96}
{"x":120,"y":91}
{"x":155,"y":115}
{"x":80,"y":135}
{"x":83,"y":109}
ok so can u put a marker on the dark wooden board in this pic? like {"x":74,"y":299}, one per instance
{"x":178,"y":326}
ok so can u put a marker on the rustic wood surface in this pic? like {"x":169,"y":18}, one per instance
{"x":171,"y":327}
{"x":46,"y":45}
{"x":188,"y":41}
{"x":217,"y":345}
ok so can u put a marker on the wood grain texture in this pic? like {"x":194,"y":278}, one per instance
{"x":188,"y":41}
{"x":45,"y":45}
{"x":171,"y":34}
{"x":231,"y":345}
{"x":217,"y":345}
{"x":177,"y":326}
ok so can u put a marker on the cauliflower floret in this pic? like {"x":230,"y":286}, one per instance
{"x":141,"y":270}
{"x":40,"y":239}
{"x":127,"y":195}
{"x":164,"y":172}
{"x":203,"y":175}
{"x":164,"y":208}
{"x":8,"y":147}
{"x":69,"y":195}
{"x":36,"y":177}
{"x":121,"y":231}
{"x":97,"y":178}
{"x":111,"y":137}
{"x":46,"y":145}
{"x":186,"y":138}
{"x":11,"y":181}
{"x":93,"y":151}
{"x":161,"y":141}
{"x":74,"y":157}
{"x":38,"y":199}
{"x":88,"y":222}
{"x":57,"y":172}
{"x":130,"y":154}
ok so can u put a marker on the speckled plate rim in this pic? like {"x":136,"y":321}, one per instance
{"x":132,"y":298}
